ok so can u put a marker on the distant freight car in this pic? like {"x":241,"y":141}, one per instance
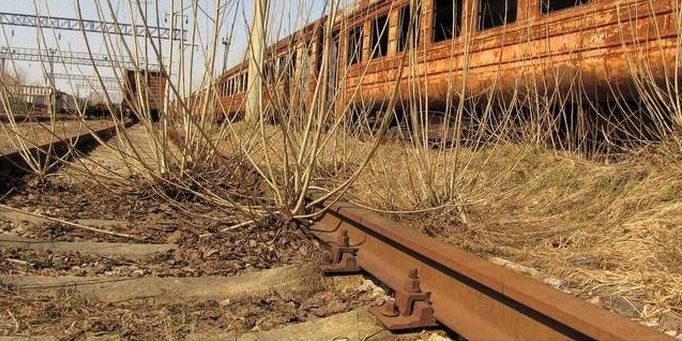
{"x":145,"y":93}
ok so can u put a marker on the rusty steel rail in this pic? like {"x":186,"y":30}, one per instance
{"x":434,"y":281}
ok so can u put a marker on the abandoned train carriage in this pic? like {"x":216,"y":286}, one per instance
{"x":600,"y":47}
{"x":144,"y":93}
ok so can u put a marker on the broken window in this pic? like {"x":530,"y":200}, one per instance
{"x":493,"y":13}
{"x":548,"y":6}
{"x":379,"y":43}
{"x":404,"y":35}
{"x":447,"y":19}
{"x":304,"y":65}
{"x":319,"y":46}
{"x":355,"y":46}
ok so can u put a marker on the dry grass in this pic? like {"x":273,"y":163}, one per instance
{"x":603,"y":229}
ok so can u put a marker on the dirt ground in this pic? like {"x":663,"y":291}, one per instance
{"x":203,"y":249}
{"x":71,"y":315}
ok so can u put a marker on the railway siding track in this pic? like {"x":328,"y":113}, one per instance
{"x":434,"y":281}
{"x":13,"y":165}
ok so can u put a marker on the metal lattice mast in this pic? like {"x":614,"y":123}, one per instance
{"x":73,"y":24}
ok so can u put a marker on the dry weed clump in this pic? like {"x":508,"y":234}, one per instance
{"x":604,"y":229}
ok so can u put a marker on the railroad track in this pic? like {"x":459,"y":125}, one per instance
{"x":435,"y":283}
{"x":13,"y":165}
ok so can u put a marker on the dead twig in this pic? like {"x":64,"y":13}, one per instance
{"x":68,"y":223}
{"x":7,"y":194}
{"x":236,"y":226}
{"x":18,"y":262}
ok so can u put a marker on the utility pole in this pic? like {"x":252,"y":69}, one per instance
{"x":225,"y":49}
{"x":256,"y":60}
{"x":49,"y":77}
{"x":2,"y":60}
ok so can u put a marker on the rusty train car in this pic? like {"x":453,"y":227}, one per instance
{"x":144,"y":93}
{"x":603,"y":48}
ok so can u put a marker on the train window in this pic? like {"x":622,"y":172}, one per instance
{"x":404,"y":36}
{"x":355,"y":46}
{"x":548,"y":6}
{"x":304,"y":65}
{"x":319,"y":46}
{"x":293,"y":62}
{"x":493,"y":13}
{"x":447,"y":19}
{"x":281,"y":67}
{"x":379,"y":42}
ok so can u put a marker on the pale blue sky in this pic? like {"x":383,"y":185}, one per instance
{"x":291,"y":13}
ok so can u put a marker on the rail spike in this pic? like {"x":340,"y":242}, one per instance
{"x":343,"y":257}
{"x":411,"y":308}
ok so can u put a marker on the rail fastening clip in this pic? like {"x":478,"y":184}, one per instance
{"x":343,"y":257}
{"x":411,"y":308}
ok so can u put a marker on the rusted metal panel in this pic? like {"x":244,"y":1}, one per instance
{"x":471,"y":296}
{"x":600,"y":34}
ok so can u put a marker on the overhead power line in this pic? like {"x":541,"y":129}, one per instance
{"x":71,"y":58}
{"x":92,"y":79}
{"x":74,"y":24}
